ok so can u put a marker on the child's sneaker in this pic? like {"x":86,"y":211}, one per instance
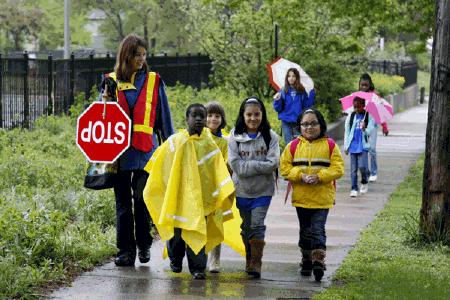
{"x":373,"y":178}
{"x":353,"y":193}
{"x":364,"y":188}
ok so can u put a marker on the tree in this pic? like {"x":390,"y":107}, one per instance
{"x":51,"y":35}
{"x":435,"y":212}
{"x":19,"y":22}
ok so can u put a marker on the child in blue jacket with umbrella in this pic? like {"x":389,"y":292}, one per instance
{"x":290,"y":102}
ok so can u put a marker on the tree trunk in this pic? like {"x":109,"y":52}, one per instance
{"x":435,"y":212}
{"x":145,"y":23}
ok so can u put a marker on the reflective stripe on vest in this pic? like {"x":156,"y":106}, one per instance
{"x":144,"y":111}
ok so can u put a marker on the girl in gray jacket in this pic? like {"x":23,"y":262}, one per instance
{"x":253,"y":154}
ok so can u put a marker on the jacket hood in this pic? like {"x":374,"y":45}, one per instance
{"x":242,"y":138}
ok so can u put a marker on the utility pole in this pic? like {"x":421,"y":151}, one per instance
{"x":66,"y":29}
{"x":435,"y":212}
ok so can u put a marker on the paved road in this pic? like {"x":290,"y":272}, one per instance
{"x":280,"y":277}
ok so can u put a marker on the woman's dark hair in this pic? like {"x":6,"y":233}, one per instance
{"x":214,"y":107}
{"x":366,"y":77}
{"x":298,"y":86}
{"x":191,"y":106}
{"x":125,"y":56}
{"x":264,"y":127}
{"x":320,"y":119}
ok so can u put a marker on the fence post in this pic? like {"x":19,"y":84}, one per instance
{"x":152,"y":61}
{"x":71,"y":82}
{"x":189,"y":68}
{"x":422,"y":95}
{"x":1,"y":91}
{"x":384,"y":66}
{"x":50,"y":106}
{"x":91,"y":75}
{"x":26,"y":95}
{"x":176,"y":66}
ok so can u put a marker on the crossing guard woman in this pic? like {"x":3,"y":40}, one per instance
{"x":142,"y":96}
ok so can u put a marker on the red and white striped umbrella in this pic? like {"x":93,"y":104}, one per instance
{"x":277,"y":73}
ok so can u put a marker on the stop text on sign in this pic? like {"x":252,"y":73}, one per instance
{"x":103,"y":139}
{"x":99,"y":132}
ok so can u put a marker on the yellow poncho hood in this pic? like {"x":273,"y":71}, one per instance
{"x":188,"y":181}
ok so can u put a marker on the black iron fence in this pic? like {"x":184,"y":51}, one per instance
{"x":407,"y":69}
{"x":32,"y":87}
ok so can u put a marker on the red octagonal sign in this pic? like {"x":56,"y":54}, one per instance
{"x":103,"y":140}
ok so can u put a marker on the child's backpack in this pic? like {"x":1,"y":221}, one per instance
{"x":352,"y":117}
{"x":296,"y":142}
{"x":366,"y":122}
{"x":293,"y":147}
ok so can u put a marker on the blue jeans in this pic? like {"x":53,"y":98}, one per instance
{"x":312,"y":228}
{"x":289,"y":130}
{"x":373,"y":151}
{"x":252,"y":227}
{"x":358,"y":161}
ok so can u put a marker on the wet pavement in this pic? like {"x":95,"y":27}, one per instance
{"x":280,"y":278}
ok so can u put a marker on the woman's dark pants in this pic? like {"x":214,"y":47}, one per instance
{"x":133,"y":223}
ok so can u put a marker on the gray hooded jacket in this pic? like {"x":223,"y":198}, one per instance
{"x":253,"y":164}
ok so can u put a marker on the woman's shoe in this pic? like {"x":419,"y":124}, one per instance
{"x":144,"y":255}
{"x":124,"y":260}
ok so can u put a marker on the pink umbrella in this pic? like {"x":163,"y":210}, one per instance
{"x":380,"y":109}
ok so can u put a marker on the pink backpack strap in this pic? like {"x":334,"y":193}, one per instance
{"x":294,"y":145}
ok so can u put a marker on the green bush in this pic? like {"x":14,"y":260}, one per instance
{"x":181,"y":96}
{"x":387,"y":84}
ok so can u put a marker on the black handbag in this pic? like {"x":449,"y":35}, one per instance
{"x":100,"y":176}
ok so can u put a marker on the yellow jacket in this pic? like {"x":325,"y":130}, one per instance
{"x":231,"y":225}
{"x":189,"y":187}
{"x":222,"y":143}
{"x":312,"y":158}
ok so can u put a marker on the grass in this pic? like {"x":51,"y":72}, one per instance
{"x":423,"y":80}
{"x":51,"y":228}
{"x":389,"y":261}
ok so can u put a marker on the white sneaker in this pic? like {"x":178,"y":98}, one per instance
{"x":373,"y":178}
{"x":353,"y":193}
{"x":364,"y":188}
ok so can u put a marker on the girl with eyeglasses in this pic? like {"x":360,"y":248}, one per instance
{"x":312,"y":162}
{"x":253,"y":155}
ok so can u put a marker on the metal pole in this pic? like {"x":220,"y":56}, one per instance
{"x":72,"y":82}
{"x":66,"y":29}
{"x":26,"y":104}
{"x":50,"y":105}
{"x":91,"y":75}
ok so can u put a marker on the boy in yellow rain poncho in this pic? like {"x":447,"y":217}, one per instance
{"x":188,"y":191}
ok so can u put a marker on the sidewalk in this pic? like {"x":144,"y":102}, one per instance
{"x":280,"y":278}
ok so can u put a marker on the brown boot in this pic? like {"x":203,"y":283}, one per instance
{"x":318,"y":260}
{"x":247,"y":255}
{"x":256,"y":247}
{"x":306,"y":264}
{"x":247,"y":262}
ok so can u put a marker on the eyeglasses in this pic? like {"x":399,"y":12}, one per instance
{"x":306,"y":125}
